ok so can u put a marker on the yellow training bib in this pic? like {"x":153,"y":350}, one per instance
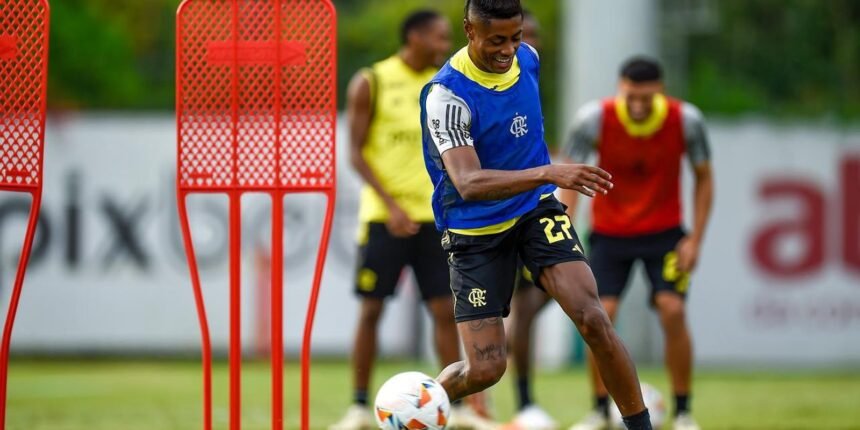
{"x":393,"y":148}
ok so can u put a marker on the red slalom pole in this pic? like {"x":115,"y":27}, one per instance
{"x":24,"y":35}
{"x":277,"y":312}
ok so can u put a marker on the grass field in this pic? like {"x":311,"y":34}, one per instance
{"x":52,"y":395}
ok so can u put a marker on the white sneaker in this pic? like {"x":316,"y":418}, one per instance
{"x":685,"y":421}
{"x":357,"y":417}
{"x":464,"y":418}
{"x":593,"y":421}
{"x":532,"y":417}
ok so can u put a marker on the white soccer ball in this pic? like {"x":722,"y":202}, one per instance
{"x":412,"y":401}
{"x":653,"y":401}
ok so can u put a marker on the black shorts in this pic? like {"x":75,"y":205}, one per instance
{"x":483,"y":268}
{"x":612,"y":257}
{"x":383,"y":257}
{"x":524,"y":280}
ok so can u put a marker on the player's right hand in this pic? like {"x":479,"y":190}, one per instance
{"x":583,"y":178}
{"x":399,"y":224}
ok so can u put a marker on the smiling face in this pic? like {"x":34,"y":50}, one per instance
{"x":639,"y":97}
{"x":494,"y":42}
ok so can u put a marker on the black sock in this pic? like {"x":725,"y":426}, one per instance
{"x":682,"y":404}
{"x":524,"y":392}
{"x":640,"y":421}
{"x":360,"y":397}
{"x":601,"y":404}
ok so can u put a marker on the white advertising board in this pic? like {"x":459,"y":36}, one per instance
{"x":778,"y":281}
{"x":109,"y":273}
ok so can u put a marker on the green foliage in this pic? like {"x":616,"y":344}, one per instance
{"x":119,"y":54}
{"x":108,"y":54}
{"x":368,"y":31}
{"x":779,"y":57}
{"x":786,"y":58}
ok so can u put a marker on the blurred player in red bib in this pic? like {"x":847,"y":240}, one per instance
{"x":642,"y":136}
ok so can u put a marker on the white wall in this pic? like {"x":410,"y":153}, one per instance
{"x":796,"y":299}
{"x":107,"y":300}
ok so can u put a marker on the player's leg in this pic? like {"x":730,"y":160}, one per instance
{"x":445,"y":339}
{"x":549,"y":246}
{"x":380,"y":265}
{"x":669,"y":288}
{"x":364,"y":347}
{"x":610,"y":263}
{"x":482,"y":280}
{"x":679,"y":347}
{"x":429,"y":262}
{"x":599,"y":392}
{"x":526,"y":304}
{"x":572,"y":285}
{"x":471,"y":412}
{"x":484,"y":365}
{"x":381,"y":260}
{"x":486,"y":358}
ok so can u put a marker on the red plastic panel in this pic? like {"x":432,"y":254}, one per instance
{"x":256,"y":108}
{"x":23,"y":89}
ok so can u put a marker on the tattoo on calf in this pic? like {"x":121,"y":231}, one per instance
{"x":477,"y":325}
{"x":489,"y":352}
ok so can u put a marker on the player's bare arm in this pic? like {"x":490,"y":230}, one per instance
{"x":359,"y":114}
{"x":475,"y":183}
{"x":703,"y":195}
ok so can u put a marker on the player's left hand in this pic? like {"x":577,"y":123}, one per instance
{"x":583,"y":178}
{"x":399,"y":224}
{"x":688,"y":254}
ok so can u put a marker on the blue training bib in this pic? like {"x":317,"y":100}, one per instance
{"x":507,"y":128}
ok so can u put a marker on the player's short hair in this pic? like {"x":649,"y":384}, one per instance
{"x":417,"y":20}
{"x":493,"y":9}
{"x":642,"y":69}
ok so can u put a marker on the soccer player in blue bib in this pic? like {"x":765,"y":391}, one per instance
{"x":485,"y":151}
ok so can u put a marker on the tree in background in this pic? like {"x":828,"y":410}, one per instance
{"x":368,"y":31}
{"x":119,"y":54}
{"x":110,"y":54}
{"x":783,"y":58}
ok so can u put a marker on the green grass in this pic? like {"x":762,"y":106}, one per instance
{"x":103,"y":395}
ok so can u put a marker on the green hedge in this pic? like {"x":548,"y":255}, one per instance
{"x":782,"y":58}
{"x":119,"y":54}
{"x":110,"y":54}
